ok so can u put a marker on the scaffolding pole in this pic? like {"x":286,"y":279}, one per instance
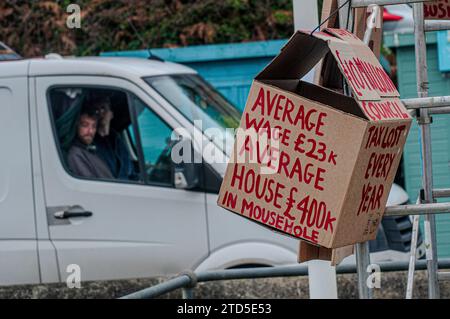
{"x":437,"y":25}
{"x":427,"y":102}
{"x":424,"y":122}
{"x":419,"y":209}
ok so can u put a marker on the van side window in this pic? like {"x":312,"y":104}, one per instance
{"x":155,"y":136}
{"x":90,"y":126}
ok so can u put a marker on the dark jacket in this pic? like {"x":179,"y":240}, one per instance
{"x":84,"y":161}
{"x":114,"y":152}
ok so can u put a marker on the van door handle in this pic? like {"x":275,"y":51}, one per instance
{"x":74,"y":211}
{"x":66,"y":214}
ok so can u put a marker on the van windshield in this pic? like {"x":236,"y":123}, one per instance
{"x":199,"y":101}
{"x":7,"y":54}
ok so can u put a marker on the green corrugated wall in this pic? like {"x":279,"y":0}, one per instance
{"x":403,"y":44}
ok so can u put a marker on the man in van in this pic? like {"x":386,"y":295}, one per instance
{"x":82,"y":157}
{"x":110,"y":146}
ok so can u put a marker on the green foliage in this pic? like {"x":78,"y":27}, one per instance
{"x":38,"y":27}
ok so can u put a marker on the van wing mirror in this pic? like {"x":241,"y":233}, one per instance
{"x":186,"y":173}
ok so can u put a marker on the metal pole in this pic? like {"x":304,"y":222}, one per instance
{"x":265,"y":272}
{"x":441,"y":192}
{"x":429,"y":102}
{"x":165,"y":287}
{"x":420,"y":209}
{"x":439,"y":110}
{"x":187,"y":293}
{"x":412,"y":256}
{"x":371,"y":23}
{"x":302,"y":270}
{"x":362,"y":263}
{"x":427,"y":172}
{"x":435,"y":105}
{"x":437,"y":25}
{"x":433,"y":110}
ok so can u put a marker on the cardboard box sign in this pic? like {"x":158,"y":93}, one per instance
{"x":437,"y":10}
{"x":325,"y":173}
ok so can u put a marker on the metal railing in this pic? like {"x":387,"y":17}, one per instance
{"x":188,"y":281}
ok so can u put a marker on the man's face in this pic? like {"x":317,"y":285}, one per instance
{"x":87,"y":129}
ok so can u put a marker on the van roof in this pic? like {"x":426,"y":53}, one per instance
{"x":105,"y":66}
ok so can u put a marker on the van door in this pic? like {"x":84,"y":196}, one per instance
{"x":123,"y":228}
{"x":18,"y":248}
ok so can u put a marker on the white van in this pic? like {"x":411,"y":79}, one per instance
{"x":164,"y":221}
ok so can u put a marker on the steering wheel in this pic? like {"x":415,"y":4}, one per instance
{"x":157,"y":171}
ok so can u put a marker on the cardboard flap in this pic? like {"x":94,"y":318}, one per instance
{"x":346,"y":58}
{"x":329,"y":97}
{"x":357,"y":63}
{"x":339,"y":254}
{"x":360,"y":67}
{"x":299,"y":55}
{"x":320,"y":94}
{"x":309,"y":252}
{"x":345,"y":35}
